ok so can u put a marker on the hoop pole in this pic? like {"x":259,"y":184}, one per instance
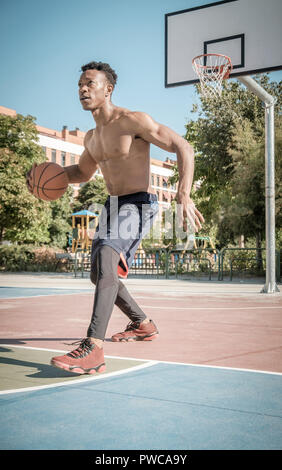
{"x":269,"y":101}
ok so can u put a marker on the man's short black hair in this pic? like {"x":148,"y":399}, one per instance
{"x":109,"y":72}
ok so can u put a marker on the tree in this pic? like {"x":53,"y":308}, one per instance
{"x":278,"y":181}
{"x":94,"y":191}
{"x":23,"y":218}
{"x":228,"y":138}
{"x":60,"y":225}
{"x":243,"y":204}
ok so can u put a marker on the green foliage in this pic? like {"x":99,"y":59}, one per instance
{"x":243,"y":202}
{"x":94,"y":191}
{"x":23,"y":218}
{"x":228,"y":139}
{"x":19,"y":135}
{"x":278,"y":181}
{"x":60,"y":224}
{"x":28,"y":258}
{"x":15,"y":257}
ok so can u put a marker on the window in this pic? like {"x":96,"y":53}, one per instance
{"x":152,"y":180}
{"x":158,"y":181}
{"x":44,"y":149}
{"x":53,"y":158}
{"x":72,"y":159}
{"x":63,"y":158}
{"x":164,"y":183}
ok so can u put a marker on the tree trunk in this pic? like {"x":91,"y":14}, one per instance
{"x":241,"y":241}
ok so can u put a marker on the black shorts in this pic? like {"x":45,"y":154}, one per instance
{"x":124,"y":221}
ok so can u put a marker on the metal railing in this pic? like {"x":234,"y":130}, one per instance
{"x":205,"y":262}
{"x":259,"y":259}
{"x":82,"y":262}
{"x":201,"y":262}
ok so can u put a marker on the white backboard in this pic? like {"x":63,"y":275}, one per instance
{"x":248,"y":31}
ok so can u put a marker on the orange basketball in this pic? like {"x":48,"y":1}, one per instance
{"x":49,"y":181}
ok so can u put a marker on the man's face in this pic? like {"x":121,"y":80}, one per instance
{"x":93,"y":89}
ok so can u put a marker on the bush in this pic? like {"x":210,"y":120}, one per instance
{"x":28,"y":258}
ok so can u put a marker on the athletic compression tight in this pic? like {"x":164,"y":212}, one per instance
{"x":109,"y":291}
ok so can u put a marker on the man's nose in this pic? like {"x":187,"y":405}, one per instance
{"x":83,"y":88}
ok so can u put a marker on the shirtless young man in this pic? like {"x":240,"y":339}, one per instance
{"x":119,"y":146}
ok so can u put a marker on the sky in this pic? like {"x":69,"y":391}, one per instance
{"x":43,"y":45}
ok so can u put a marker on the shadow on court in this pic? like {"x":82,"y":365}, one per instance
{"x":23,"y":341}
{"x":43,"y":371}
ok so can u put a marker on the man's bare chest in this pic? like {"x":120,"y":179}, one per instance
{"x":111,"y":143}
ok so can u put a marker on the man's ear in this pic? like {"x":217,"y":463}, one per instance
{"x":109,"y":89}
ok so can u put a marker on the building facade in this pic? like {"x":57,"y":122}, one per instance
{"x":65,"y":147}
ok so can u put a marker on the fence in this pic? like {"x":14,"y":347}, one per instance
{"x":247,"y":261}
{"x":81,"y":263}
{"x":205,"y":263}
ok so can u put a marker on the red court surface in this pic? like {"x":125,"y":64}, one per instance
{"x":209,"y":323}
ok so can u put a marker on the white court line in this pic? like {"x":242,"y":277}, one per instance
{"x":150,"y":306}
{"x":147,"y":363}
{"x":149,"y":360}
{"x":44,"y":295}
{"x":204,"y":365}
{"x":176,"y":295}
{"x":210,"y":308}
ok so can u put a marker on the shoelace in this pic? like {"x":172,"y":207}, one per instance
{"x":132,"y":325}
{"x":84,"y":346}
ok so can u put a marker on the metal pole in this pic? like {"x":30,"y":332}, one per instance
{"x":269,"y":101}
{"x":270,"y":282}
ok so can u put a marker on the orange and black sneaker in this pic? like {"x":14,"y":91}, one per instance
{"x":86,"y":359}
{"x":136,"y":331}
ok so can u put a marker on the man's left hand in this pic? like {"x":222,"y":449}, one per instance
{"x":189,"y":214}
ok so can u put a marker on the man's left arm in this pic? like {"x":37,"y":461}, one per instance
{"x":167,"y":139}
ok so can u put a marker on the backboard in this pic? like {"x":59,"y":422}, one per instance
{"x":248,"y":31}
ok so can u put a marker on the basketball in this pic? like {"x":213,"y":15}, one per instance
{"x":49,"y":181}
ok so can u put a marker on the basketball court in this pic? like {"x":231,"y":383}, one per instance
{"x":213,"y":378}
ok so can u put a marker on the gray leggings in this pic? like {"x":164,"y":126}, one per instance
{"x":109,"y":291}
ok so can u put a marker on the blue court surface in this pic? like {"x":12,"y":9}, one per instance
{"x":14,"y":292}
{"x":157,"y":406}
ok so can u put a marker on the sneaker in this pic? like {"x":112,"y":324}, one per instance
{"x":137,"y":332}
{"x":86,"y":359}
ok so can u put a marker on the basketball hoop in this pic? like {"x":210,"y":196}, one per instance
{"x":212,"y":69}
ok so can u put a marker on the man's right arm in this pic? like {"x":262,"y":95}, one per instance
{"x":76,"y":173}
{"x":83,"y":171}
{"x":85,"y":168}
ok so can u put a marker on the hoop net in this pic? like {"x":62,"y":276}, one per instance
{"x":212,"y":69}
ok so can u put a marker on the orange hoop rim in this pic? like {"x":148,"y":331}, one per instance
{"x":202,"y":68}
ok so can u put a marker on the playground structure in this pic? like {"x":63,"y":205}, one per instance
{"x":82,"y":230}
